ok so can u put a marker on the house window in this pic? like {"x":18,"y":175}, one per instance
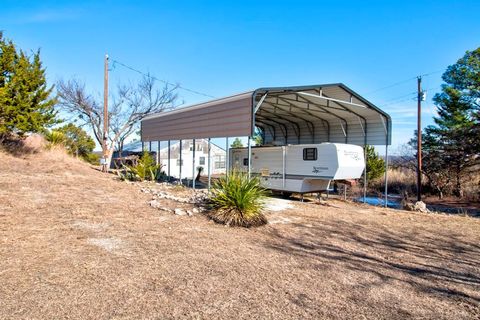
{"x":178,"y":163}
{"x":202,"y":160}
{"x":310,"y":154}
{"x":245,"y":161}
{"x":219,"y":162}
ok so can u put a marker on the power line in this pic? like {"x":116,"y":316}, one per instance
{"x":403,"y":81}
{"x":161,"y":80}
{"x":411,"y":96}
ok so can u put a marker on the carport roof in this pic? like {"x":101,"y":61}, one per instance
{"x":287,"y":115}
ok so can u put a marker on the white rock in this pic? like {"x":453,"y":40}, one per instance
{"x":155,"y":204}
{"x":180,"y":212}
{"x":421,"y":206}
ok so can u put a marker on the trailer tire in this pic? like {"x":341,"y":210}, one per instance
{"x":286,"y":195}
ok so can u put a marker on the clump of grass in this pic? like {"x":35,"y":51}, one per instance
{"x":238,"y":200}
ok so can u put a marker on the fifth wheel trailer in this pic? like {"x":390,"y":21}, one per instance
{"x":301,"y":168}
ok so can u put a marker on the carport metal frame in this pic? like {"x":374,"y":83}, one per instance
{"x":294,"y":105}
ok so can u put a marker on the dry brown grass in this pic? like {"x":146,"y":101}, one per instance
{"x":75,"y":243}
{"x":399,"y":181}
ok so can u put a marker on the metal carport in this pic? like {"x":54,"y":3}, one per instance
{"x":286,"y":115}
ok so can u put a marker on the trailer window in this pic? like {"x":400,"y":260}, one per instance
{"x":245,"y":162}
{"x":310,"y":154}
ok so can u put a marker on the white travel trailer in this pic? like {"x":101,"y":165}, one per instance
{"x":301,"y":168}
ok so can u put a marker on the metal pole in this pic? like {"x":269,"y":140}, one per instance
{"x":365,"y":157}
{"x":227,"y":157}
{"x":284,"y":154}
{"x":168,"y":172}
{"x":158,"y":152}
{"x":193,"y":165}
{"x":365,"y":175}
{"x":386,"y":175}
{"x":105,"y":112}
{"x":149,"y":146}
{"x":419,"y":139}
{"x":249,"y":157}
{"x":143,"y":146}
{"x":180,"y":166}
{"x":209,"y":176}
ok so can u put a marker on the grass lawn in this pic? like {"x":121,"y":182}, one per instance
{"x":76,"y":243}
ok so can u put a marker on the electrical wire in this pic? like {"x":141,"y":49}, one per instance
{"x":161,"y":80}
{"x":403,"y":81}
{"x":410,"y":96}
{"x":389,"y":101}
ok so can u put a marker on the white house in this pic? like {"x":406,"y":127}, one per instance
{"x":217,"y":160}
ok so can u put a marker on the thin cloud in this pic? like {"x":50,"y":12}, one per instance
{"x":44,"y":16}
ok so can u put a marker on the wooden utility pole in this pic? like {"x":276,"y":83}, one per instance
{"x":419,"y":138}
{"x":105,"y":114}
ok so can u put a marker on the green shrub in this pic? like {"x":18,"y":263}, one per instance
{"x":146,"y":169}
{"x":75,"y":140}
{"x":238,"y":200}
{"x":55,"y":138}
{"x":92,"y":158}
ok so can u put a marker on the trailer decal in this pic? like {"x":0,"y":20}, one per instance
{"x":319,"y":169}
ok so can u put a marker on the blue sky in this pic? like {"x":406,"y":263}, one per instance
{"x":225,"y":47}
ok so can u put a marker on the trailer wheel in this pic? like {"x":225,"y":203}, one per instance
{"x":286,"y":195}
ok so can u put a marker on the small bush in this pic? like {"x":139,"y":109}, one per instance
{"x":55,"y":138}
{"x":238,"y":200}
{"x":92,"y":158}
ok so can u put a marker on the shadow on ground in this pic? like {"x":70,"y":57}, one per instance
{"x":442,"y":266}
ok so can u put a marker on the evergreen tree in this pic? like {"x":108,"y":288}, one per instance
{"x":375,"y":164}
{"x":237,"y":143}
{"x":258,"y":136}
{"x":451,"y":147}
{"x":25,"y":102}
{"x":452,"y":139}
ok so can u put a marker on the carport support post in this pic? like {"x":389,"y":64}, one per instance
{"x":365,"y":156}
{"x":158,"y":152}
{"x":209,"y":164}
{"x":227,"y":157}
{"x":249,"y":157}
{"x":168,"y":155}
{"x":386,"y":175}
{"x":149,"y":146}
{"x":180,"y":166}
{"x":365,"y":176}
{"x":193,"y":165}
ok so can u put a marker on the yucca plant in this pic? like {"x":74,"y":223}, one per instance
{"x":238,"y":200}
{"x":55,"y":138}
{"x":145,"y":169}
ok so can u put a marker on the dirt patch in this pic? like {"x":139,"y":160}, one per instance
{"x":109,"y":244}
{"x":276,"y":204}
{"x":76,"y":243}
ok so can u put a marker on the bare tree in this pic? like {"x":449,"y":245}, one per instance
{"x":131,"y":104}
{"x":438,"y":177}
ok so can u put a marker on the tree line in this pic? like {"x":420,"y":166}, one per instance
{"x":29,"y":105}
{"x":451,"y":146}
